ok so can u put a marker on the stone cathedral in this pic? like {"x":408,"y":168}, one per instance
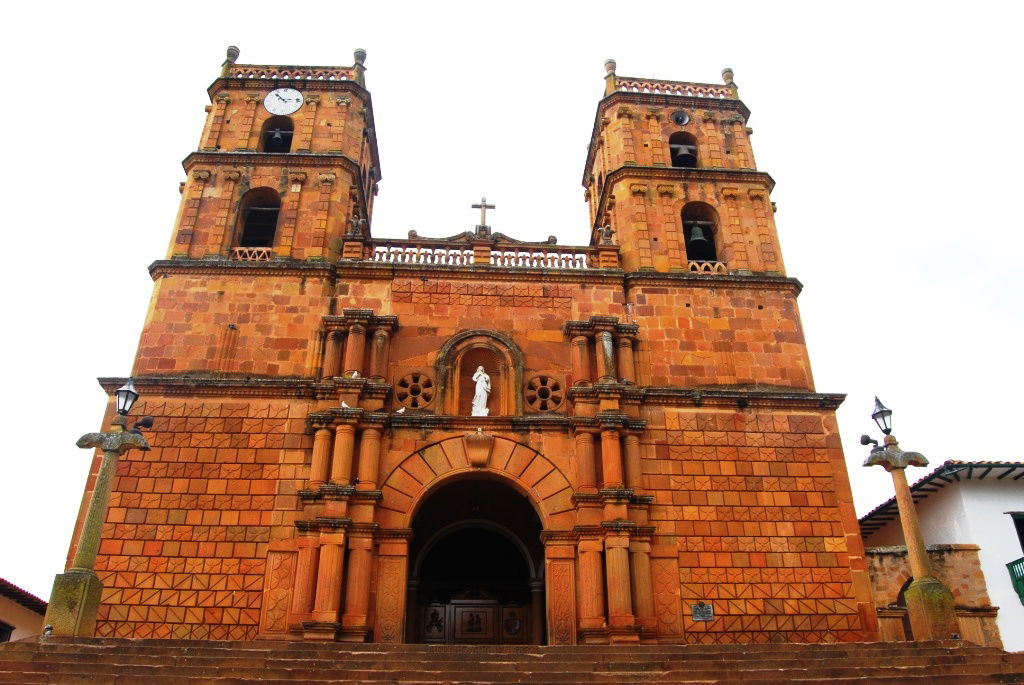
{"x":474,"y":438}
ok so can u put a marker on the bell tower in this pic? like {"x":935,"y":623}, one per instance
{"x":670,"y":168}
{"x":281,"y":174}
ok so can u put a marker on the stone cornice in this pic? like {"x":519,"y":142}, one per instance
{"x":688,"y":279}
{"x":237,"y":158}
{"x":222,"y":266}
{"x":740,"y":396}
{"x":209,"y":385}
{"x":655,"y":100}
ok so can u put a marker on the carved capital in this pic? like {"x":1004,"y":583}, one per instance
{"x":707,"y":116}
{"x":653,"y":113}
{"x":666,"y":190}
{"x":253,"y":98}
{"x":757,"y":194}
{"x":890,"y":456}
{"x":296,"y":177}
{"x":730,"y":193}
{"x":231,"y":175}
{"x":327,"y":179}
{"x":638,"y":188}
{"x":342,"y":100}
{"x":624,"y":112}
{"x":313,"y":99}
{"x":201,"y":175}
{"x":223,"y":98}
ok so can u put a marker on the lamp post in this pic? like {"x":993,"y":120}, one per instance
{"x":929,"y":601}
{"x":76,"y":593}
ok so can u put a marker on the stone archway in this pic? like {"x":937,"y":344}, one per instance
{"x":516,"y":469}
{"x":459,"y":357}
{"x":475,"y":566}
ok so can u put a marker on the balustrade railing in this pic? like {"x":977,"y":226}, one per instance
{"x":252,"y":254}
{"x":423,"y":254}
{"x":534,"y":257}
{"x":292,"y":73}
{"x":542,"y":259}
{"x":659,"y":87}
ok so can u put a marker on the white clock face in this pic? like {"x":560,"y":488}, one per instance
{"x":283,"y":101}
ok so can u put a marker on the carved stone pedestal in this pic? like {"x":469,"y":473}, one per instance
{"x":930,"y":609}
{"x":320,"y":631}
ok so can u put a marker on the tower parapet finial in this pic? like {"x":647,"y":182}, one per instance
{"x":232,"y":57}
{"x":360,"y":57}
{"x":610,"y":84}
{"x":727,"y":77}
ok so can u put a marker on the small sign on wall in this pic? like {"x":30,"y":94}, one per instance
{"x":702,"y":612}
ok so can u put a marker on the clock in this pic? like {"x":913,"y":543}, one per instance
{"x":283,"y":101}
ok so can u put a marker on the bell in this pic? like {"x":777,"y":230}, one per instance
{"x":683,"y":155}
{"x":697,"y":235}
{"x":277,"y":135}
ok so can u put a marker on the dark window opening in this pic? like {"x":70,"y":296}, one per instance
{"x":682,"y":147}
{"x":259,"y":212}
{"x":5,"y":632}
{"x":277,"y":134}
{"x":700,"y":223}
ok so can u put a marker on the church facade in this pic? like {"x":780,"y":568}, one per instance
{"x":476,"y":439}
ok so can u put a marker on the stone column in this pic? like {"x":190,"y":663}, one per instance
{"x":606,"y":358}
{"x":305,"y":577}
{"x":634,"y":474}
{"x":627,"y":368}
{"x":356,"y":349}
{"x":586,"y":468}
{"x":591,"y":590}
{"x":917,"y":554}
{"x":611,"y":458}
{"x":369,"y":458}
{"x":321,"y":458}
{"x":620,"y":601}
{"x":341,"y":464}
{"x":379,"y":352}
{"x":332,"y":353}
{"x":329,"y":577}
{"x":354,"y":627}
{"x":642,"y":586}
{"x":580,"y":360}
{"x":536,"y":611}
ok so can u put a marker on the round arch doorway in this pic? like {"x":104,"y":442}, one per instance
{"x":476,"y":567}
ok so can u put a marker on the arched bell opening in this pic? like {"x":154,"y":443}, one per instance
{"x":476,"y":567}
{"x":276,"y":135}
{"x":700,"y":229}
{"x":682,"y":147}
{"x":257,"y":218}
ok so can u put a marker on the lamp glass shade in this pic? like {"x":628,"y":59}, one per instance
{"x":126,"y":396}
{"x":882,"y":416}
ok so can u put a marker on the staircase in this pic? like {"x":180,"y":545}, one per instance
{"x":108,"y":661}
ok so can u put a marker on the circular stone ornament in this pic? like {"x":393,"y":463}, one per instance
{"x":415,"y":391}
{"x":544,"y":393}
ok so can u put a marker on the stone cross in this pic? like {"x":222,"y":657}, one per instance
{"x":483,"y":207}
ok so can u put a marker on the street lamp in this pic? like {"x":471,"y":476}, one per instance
{"x":929,"y":601}
{"x":76,"y":593}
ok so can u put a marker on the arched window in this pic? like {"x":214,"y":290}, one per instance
{"x":682,"y":147}
{"x":700,"y":226}
{"x":257,"y":218}
{"x":277,"y":134}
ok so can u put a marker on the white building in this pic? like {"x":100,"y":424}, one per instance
{"x":21,"y":612}
{"x":970,"y":503}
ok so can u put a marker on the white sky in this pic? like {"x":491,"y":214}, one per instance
{"x":890,"y":128}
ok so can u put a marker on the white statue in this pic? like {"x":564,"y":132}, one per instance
{"x":483,"y":391}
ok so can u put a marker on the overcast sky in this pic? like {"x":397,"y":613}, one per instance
{"x":890,"y":128}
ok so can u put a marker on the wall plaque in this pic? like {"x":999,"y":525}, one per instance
{"x":702,"y":612}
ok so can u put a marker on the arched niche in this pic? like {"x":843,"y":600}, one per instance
{"x":458,"y":361}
